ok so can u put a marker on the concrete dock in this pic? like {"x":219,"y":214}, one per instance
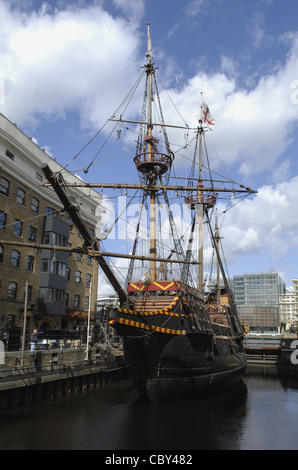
{"x":54,"y":373}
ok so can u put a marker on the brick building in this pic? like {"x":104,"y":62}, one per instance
{"x":59,"y":282}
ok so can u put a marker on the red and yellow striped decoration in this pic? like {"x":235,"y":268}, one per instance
{"x":143,"y":326}
{"x":246,"y":329}
{"x":153,"y":286}
{"x":156,"y":312}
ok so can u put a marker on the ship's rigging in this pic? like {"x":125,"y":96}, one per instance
{"x":155,"y":188}
{"x":179,"y":340}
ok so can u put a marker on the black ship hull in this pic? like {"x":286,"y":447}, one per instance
{"x":180,"y":371}
{"x":173,"y":368}
{"x":187,"y":388}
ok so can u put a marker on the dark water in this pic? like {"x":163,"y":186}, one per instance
{"x":262,"y":413}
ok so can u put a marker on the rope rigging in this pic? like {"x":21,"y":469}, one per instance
{"x":152,"y":167}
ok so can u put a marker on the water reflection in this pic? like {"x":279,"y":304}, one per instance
{"x":195,"y":424}
{"x":261,"y":413}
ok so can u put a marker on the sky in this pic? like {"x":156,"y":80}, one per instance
{"x":66,"y":66}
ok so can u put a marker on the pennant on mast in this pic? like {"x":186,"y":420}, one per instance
{"x":207,"y":118}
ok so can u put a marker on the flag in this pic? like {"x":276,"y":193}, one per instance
{"x":206,"y":115}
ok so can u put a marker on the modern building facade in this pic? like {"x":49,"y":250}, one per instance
{"x":295,"y":293}
{"x":287,"y":310}
{"x":257,"y":298}
{"x":59,"y":283}
{"x":258,"y":289}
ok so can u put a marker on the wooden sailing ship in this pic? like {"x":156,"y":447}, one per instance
{"x":179,"y":341}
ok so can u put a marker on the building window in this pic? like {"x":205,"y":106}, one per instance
{"x":52,"y":238}
{"x":17,"y":229}
{"x":4,"y":186}
{"x":47,"y":238}
{"x":30,"y":264}
{"x":86,"y":304}
{"x":60,"y":269}
{"x":35,"y":205}
{"x":53,"y":267}
{"x":88,"y":280}
{"x":51,"y":211}
{"x":51,"y":297}
{"x":44,"y":266}
{"x":29,"y":294}
{"x":60,"y":240}
{"x":43,"y":294}
{"x":47,"y":294}
{"x":32,"y":234}
{"x":58,"y":296}
{"x":21,"y":196}
{"x":12,"y":290}
{"x":1,"y":253}
{"x":2,"y":220}
{"x":66,"y":299}
{"x":77,"y":301}
{"x":15,"y":258}
{"x":78,"y":277}
{"x":69,"y":221}
{"x":9,"y":154}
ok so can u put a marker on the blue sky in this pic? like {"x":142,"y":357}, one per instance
{"x":65,"y":67}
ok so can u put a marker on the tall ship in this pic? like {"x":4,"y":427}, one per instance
{"x":182,"y":337}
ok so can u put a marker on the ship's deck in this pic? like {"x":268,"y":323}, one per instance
{"x":159,"y":303}
{"x":153,"y":303}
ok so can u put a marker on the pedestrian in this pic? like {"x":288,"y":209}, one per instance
{"x":33,"y":340}
{"x":4,"y":337}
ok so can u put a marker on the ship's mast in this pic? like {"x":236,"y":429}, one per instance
{"x":217,"y":264}
{"x":151,"y":156}
{"x":153,"y":164}
{"x":200,"y":215}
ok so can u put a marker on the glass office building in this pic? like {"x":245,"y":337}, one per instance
{"x":258,"y":289}
{"x":257,"y":299}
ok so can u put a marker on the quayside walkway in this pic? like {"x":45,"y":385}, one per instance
{"x":263,"y":348}
{"x":40,"y":375}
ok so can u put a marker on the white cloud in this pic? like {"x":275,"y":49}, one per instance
{"x":120,"y":267}
{"x":253,"y":127}
{"x":257,"y":33}
{"x":54,"y":62}
{"x":134,"y":9}
{"x":282,"y":172}
{"x":47,"y":149}
{"x":229,"y":66}
{"x":194,"y":7}
{"x":266,"y":222}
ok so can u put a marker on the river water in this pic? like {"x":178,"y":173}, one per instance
{"x":262,"y":413}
